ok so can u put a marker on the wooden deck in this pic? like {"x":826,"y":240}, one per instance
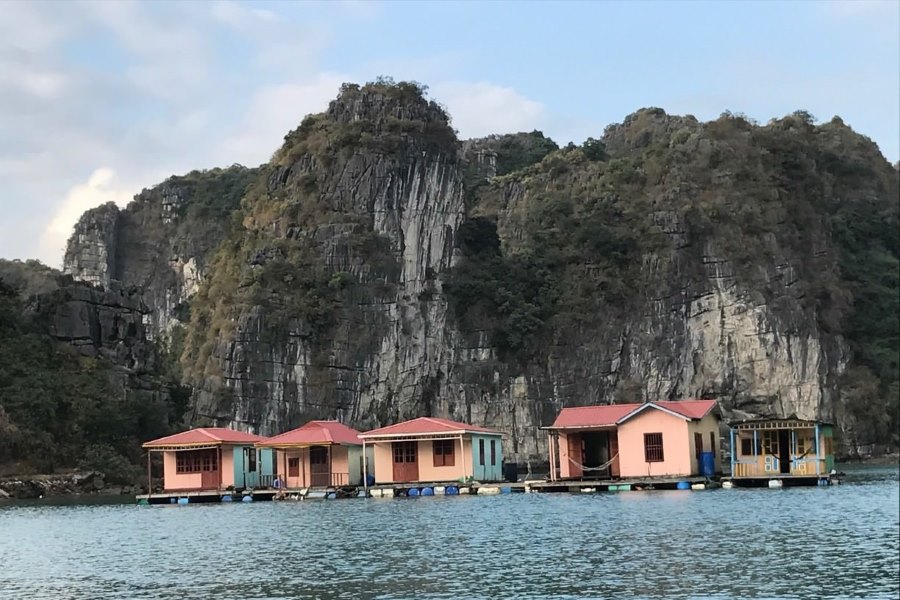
{"x":617,"y":485}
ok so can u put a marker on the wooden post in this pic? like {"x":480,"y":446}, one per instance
{"x":731,"y":449}
{"x":550,"y":456}
{"x":149,"y":476}
{"x":818,"y":455}
{"x":220,"y":466}
{"x":365,"y":473}
{"x":462,"y":456}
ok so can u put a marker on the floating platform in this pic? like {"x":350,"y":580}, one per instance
{"x":779,"y":481}
{"x":588,"y":486}
{"x":445,"y":488}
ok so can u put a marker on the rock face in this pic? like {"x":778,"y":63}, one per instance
{"x":161,"y":242}
{"x":325,"y":297}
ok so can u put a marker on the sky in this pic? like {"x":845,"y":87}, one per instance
{"x":100,"y":100}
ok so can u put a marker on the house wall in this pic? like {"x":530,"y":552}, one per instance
{"x":705,"y":426}
{"x":462,"y":465}
{"x":193,"y":481}
{"x":177,"y":481}
{"x":264,"y":466}
{"x":340,"y":464}
{"x":748,"y":465}
{"x":383,"y":461}
{"x":488,"y":471}
{"x":566,"y":468}
{"x":354,"y":460}
{"x":677,"y":445}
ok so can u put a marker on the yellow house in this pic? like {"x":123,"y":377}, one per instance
{"x":781,"y":449}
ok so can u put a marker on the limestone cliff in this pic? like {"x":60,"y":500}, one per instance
{"x":377,"y":269}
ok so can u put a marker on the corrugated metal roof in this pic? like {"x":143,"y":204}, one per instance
{"x":316,"y":433}
{"x":205,"y":435}
{"x":610,"y":414}
{"x":427,"y":426}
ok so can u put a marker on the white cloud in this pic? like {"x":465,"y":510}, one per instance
{"x":100,"y":188}
{"x":480,"y":109}
{"x":272,"y":112}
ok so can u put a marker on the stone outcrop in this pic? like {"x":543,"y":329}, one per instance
{"x":327,"y":301}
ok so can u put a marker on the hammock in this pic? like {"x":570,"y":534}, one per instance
{"x":602,"y":467}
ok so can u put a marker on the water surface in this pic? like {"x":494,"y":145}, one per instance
{"x":838,"y":542}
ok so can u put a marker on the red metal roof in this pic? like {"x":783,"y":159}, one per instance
{"x":316,"y":433}
{"x":610,"y":414}
{"x":427,"y":426}
{"x":205,"y":435}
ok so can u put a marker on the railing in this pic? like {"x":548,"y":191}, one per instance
{"x":771,"y":466}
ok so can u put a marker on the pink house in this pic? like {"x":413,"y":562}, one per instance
{"x":208,"y":458}
{"x":654,"y":439}
{"x":318,"y":454}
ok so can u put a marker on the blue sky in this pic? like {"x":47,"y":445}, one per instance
{"x":98,"y":100}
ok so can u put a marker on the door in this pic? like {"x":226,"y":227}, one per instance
{"x":406,"y":466}
{"x":576,"y":455}
{"x":209,"y":480}
{"x":614,"y":453}
{"x":784,"y":451}
{"x":319,"y":466}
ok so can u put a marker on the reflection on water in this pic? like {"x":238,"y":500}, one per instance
{"x":840,"y":542}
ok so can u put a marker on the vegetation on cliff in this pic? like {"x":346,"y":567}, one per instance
{"x":581,"y":230}
{"x":60,"y":408}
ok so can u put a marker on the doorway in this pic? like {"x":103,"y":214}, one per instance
{"x":596,"y":454}
{"x":406,"y":465}
{"x":784,"y":451}
{"x":319,"y":466}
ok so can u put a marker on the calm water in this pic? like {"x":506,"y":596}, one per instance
{"x":839,"y":542}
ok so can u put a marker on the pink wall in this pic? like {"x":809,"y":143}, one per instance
{"x":462,"y":465}
{"x":193,"y":481}
{"x":565,"y":466}
{"x":677,"y":445}
{"x":339,"y":464}
{"x":178,"y":481}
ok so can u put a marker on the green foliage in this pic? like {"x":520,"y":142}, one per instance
{"x":214,"y":193}
{"x":520,"y":150}
{"x":55,"y":403}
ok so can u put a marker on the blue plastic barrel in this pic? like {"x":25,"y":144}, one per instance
{"x":173,"y":500}
{"x":227,"y":498}
{"x":184,"y":500}
{"x":427,"y":491}
{"x":247,"y":499}
{"x":451,"y":491}
{"x":370,"y":480}
{"x":412,"y":492}
{"x":683,"y":485}
{"x":708,"y":464}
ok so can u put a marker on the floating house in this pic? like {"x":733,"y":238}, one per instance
{"x":212,"y":458}
{"x":771,"y":449}
{"x":653,"y":439}
{"x":319,"y":454}
{"x":432,"y":450}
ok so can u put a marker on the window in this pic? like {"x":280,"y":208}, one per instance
{"x":712,"y":442}
{"x":251,"y":460}
{"x":801,"y":444}
{"x":653,"y":447}
{"x":481,"y":452}
{"x":698,"y":444}
{"x":443,"y":453}
{"x":196,"y":461}
{"x":493,"y":452}
{"x":294,"y":467}
{"x":318,"y":455}
{"x":404,"y":452}
{"x":747,"y":447}
{"x":770,"y":442}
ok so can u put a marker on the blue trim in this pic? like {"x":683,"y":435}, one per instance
{"x":818,"y":455}
{"x":732,"y":451}
{"x":755,"y":444}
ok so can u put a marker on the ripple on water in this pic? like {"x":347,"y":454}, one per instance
{"x":840,"y":542}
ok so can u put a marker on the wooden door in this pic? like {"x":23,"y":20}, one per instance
{"x":614,"y":453}
{"x":576,"y":454}
{"x":209,"y":480}
{"x":319,"y":466}
{"x":406,"y":465}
